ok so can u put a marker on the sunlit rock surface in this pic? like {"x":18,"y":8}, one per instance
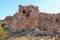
{"x":28,"y":19}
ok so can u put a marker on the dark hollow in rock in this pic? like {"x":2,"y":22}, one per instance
{"x":23,"y":11}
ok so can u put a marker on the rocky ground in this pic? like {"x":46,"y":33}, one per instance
{"x":27,"y":37}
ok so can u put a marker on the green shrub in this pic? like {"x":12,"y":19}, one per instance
{"x":3,"y":33}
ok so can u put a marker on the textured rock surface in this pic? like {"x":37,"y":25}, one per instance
{"x":29,"y":18}
{"x":26,"y":18}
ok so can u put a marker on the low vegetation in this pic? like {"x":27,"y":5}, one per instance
{"x":3,"y":33}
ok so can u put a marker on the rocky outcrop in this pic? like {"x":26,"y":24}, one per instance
{"x":29,"y":18}
{"x":26,"y":18}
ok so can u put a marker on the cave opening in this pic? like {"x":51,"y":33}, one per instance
{"x":23,"y":11}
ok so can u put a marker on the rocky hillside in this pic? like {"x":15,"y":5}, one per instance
{"x":28,"y":20}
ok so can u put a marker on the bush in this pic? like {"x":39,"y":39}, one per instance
{"x":3,"y":33}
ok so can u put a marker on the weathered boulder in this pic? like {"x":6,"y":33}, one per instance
{"x":9,"y":19}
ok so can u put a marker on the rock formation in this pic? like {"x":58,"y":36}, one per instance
{"x":29,"y":18}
